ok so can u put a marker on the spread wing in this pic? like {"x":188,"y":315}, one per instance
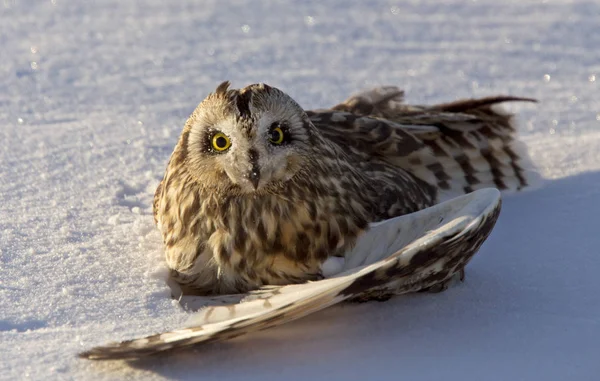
{"x":396,"y":256}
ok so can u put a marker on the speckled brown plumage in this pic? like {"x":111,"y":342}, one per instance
{"x":264,"y":214}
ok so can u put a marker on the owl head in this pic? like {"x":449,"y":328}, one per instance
{"x":252,"y":139}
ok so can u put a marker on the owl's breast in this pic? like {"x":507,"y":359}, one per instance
{"x":228,"y":243}
{"x":251,"y":241}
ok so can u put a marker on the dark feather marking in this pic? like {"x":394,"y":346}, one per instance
{"x":453,"y":137}
{"x":518,"y":170}
{"x":425,"y":257}
{"x":242,"y":264}
{"x":495,"y":168}
{"x":444,"y":185}
{"x":466,"y":166}
{"x":437,"y":150}
{"x":190,"y":211}
{"x":253,"y":157}
{"x":239,"y":242}
{"x":415,"y":161}
{"x":222,"y":253}
{"x":438,"y":171}
{"x":333,"y":239}
{"x":303,"y":242}
{"x":362,"y":284}
{"x":242,"y":102}
{"x":180,"y":157}
{"x":156,"y":201}
{"x":262,"y":231}
{"x":199,"y":250}
{"x":380,"y":132}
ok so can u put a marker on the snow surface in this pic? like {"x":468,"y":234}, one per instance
{"x":93,"y":95}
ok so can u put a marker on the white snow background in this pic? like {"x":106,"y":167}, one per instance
{"x":93,"y":96}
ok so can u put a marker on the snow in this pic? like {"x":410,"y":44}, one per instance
{"x":93,"y":96}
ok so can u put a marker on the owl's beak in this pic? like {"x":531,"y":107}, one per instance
{"x":254,"y":177}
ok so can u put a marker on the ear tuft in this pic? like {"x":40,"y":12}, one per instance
{"x":222,"y":88}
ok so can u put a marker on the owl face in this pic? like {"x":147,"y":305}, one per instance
{"x":251,"y":139}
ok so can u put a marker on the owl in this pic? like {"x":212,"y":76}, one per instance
{"x":279,"y":212}
{"x":260,"y":192}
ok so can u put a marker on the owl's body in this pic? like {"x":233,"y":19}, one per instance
{"x":260,"y":192}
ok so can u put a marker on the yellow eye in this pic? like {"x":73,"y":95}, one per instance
{"x":276,"y":135}
{"x":220,"y":142}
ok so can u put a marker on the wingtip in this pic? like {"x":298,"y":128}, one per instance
{"x":522,"y":99}
{"x":465,"y":105}
{"x":107,"y":353}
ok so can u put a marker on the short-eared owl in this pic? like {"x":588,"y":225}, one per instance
{"x":375,"y":196}
{"x":261,"y":192}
